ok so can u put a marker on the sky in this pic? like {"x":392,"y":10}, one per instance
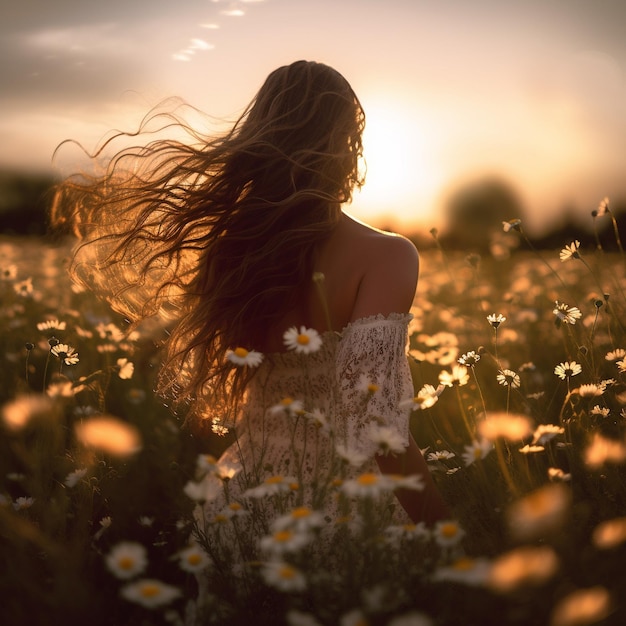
{"x":532,"y":93}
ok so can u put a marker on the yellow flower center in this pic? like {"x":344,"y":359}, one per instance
{"x":367,"y":479}
{"x":294,"y":486}
{"x":241,"y":352}
{"x":463,"y":565}
{"x":287,"y":572}
{"x":303,"y":340}
{"x":449,"y":530}
{"x":301,"y":512}
{"x":126,"y":562}
{"x":283,"y":535}
{"x":477,"y":453}
{"x":220,"y":519}
{"x":372,"y":388}
{"x":286,"y":401}
{"x":409,"y":527}
{"x":194,"y":559}
{"x":234,"y":506}
{"x":274,"y":480}
{"x":149,"y":591}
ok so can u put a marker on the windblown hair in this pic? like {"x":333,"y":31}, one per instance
{"x":218,"y":234}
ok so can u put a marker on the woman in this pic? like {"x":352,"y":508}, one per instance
{"x":289,"y":317}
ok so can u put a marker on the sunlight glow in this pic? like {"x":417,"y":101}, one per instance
{"x":400,"y":176}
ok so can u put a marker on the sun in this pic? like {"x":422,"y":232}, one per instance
{"x":399,"y":176}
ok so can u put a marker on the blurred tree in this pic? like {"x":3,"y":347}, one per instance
{"x":24,"y":201}
{"x":475,"y":211}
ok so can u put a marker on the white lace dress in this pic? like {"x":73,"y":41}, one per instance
{"x":308,"y":417}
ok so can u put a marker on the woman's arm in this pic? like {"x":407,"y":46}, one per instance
{"x":421,"y":506}
{"x":388,"y":286}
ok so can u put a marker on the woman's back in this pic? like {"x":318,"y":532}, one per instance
{"x":366,"y":272}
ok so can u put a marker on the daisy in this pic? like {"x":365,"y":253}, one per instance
{"x":565,"y":313}
{"x":66,"y":353}
{"x":411,"y":481}
{"x":367,"y":485}
{"x":590,"y":391}
{"x":241,"y":356}
{"x":409,"y":531}
{"x":109,"y":434}
{"x":448,"y":533}
{"x":426,"y":397}
{"x":440,"y":455}
{"x":466,"y":571}
{"x":570,"y":251}
{"x":150,"y":593}
{"x":386,"y":439}
{"x":602,"y":411}
{"x":73,"y":478}
{"x":615,"y":355}
{"x":271,"y":486}
{"x":109,"y":332}
{"x":127,"y":559}
{"x":469,"y":358}
{"x":127,"y":369}
{"x":301,"y":518}
{"x":206,"y":489}
{"x":350,"y":456}
{"x":621,"y":365}
{"x":193,"y":559}
{"x":496,"y":320}
{"x":567,"y":369}
{"x":545,"y":432}
{"x":289,"y":405}
{"x":458,"y":376}
{"x":367,"y":386}
{"x":23,"y":502}
{"x":477,"y":450}
{"x":53,"y":324}
{"x":284,"y":541}
{"x":24,"y":288}
{"x":305,"y":341}
{"x":283,"y":576}
{"x":508,"y":378}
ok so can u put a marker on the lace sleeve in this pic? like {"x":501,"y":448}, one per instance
{"x":372,"y":352}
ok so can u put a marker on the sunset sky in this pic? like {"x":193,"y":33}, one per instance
{"x":533,"y":92}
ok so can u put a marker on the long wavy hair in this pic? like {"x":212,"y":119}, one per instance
{"x":217,"y":234}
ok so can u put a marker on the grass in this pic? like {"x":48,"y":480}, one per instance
{"x":539,"y":531}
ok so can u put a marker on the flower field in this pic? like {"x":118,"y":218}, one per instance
{"x":519,"y":366}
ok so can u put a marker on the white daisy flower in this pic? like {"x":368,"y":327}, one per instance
{"x":303,"y":341}
{"x":477,"y":450}
{"x":448,"y":533}
{"x":570,"y":251}
{"x":440,"y":455}
{"x":426,"y":397}
{"x":240,"y":356}
{"x":565,"y":313}
{"x":284,"y":541}
{"x":496,"y":319}
{"x":127,"y":559}
{"x":193,"y":559}
{"x":66,"y":353}
{"x":567,"y":369}
{"x":150,"y":593}
{"x":508,"y":378}
{"x":368,"y":485}
{"x":459,"y":376}
{"x":387,"y":439}
{"x":53,"y":324}
{"x":289,"y":405}
{"x":545,"y":432}
{"x":73,"y":478}
{"x":273,"y":485}
{"x":283,"y":576}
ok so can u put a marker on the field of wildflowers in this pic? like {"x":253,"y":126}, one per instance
{"x":519,"y":365}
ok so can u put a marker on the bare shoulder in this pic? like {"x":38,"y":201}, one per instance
{"x":390,"y":271}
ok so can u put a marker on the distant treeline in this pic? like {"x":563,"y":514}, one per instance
{"x":474,"y":216}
